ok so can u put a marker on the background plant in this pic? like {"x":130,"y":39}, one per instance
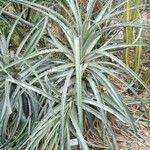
{"x":51,"y":89}
{"x":132,"y":35}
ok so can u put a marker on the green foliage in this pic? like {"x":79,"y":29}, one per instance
{"x":45,"y":99}
{"x":2,"y":2}
{"x":4,"y":27}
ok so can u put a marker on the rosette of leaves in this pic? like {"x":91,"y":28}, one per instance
{"x":56,"y":94}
